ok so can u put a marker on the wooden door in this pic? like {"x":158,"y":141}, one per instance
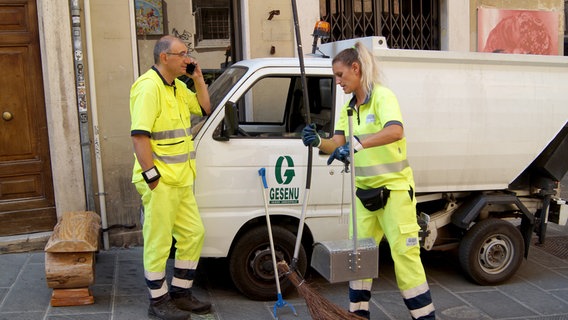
{"x":27,"y":203}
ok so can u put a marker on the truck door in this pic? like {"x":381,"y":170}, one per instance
{"x":228,"y":187}
{"x":271,"y":117}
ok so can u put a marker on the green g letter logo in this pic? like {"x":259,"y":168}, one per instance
{"x":288,"y":174}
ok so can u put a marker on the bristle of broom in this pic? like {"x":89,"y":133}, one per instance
{"x":319,"y":307}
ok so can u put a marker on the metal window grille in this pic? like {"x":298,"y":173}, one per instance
{"x":566,"y":27}
{"x":565,"y":17}
{"x":212,"y":23}
{"x":406,"y":24}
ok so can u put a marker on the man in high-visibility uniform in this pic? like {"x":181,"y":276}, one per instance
{"x":387,"y":205}
{"x":163,"y":173}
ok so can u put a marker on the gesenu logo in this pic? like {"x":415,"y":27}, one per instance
{"x":284,"y":173}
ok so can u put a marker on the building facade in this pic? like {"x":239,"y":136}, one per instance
{"x":69,"y":148}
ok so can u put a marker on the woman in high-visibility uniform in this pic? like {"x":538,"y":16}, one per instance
{"x":163,"y":173}
{"x":382,"y":170}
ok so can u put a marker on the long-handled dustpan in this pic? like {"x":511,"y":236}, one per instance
{"x":345,"y":260}
{"x":280,"y":303}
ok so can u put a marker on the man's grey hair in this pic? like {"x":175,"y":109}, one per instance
{"x":163,"y":45}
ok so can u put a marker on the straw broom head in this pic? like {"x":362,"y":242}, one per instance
{"x":319,"y":307}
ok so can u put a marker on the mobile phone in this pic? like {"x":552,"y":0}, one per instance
{"x":190,"y":68}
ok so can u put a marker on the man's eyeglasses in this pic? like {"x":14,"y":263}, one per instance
{"x":182,"y":54}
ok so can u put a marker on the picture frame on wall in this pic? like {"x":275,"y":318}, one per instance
{"x":150,"y":20}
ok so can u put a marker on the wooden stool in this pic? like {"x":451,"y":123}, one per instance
{"x":70,"y":258}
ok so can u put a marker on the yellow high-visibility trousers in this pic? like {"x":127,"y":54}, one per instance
{"x":170,"y":211}
{"x":398,"y":223}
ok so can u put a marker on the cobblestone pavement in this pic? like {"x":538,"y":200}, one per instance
{"x":539,"y":290}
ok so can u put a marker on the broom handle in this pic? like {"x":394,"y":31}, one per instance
{"x":353,"y":197}
{"x":262,"y":174}
{"x":308,"y":121}
{"x":301,"y":223}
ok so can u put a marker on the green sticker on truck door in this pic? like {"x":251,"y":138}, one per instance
{"x":284,"y":173}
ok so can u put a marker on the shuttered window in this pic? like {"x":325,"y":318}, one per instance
{"x":406,"y":24}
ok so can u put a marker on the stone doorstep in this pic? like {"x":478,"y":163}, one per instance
{"x":24,"y":243}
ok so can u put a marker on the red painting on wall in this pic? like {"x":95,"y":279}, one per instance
{"x":517,"y":31}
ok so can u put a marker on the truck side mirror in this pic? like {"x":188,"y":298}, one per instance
{"x":230,"y":124}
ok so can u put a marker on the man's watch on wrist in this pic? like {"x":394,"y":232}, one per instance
{"x":151,"y":174}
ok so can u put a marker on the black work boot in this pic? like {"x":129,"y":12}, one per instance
{"x":164,"y":308}
{"x":363,"y":314}
{"x":185,"y":300}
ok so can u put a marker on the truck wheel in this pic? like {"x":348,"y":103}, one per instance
{"x":250,"y":263}
{"x":491,"y":251}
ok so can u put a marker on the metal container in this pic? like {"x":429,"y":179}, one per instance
{"x":334,"y":260}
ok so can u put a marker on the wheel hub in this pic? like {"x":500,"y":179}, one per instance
{"x":261,"y":264}
{"x":495,"y":254}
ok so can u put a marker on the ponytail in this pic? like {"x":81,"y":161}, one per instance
{"x":369,"y":68}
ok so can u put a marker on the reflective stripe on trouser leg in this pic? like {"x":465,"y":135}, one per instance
{"x":184,"y":274}
{"x":359,"y":295}
{"x":419,"y":301}
{"x":399,"y":224}
{"x":156,"y":282}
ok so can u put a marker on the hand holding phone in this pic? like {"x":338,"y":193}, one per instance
{"x":190,"y":68}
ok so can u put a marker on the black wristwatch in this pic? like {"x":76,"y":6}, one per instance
{"x":151,"y":174}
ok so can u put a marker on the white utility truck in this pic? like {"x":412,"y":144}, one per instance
{"x":487,"y":139}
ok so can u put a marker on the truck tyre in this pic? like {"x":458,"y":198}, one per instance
{"x":491,"y":251}
{"x":250,"y":263}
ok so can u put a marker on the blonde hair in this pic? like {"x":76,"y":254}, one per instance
{"x":369,"y":67}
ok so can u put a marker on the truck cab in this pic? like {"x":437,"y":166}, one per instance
{"x":256,"y":123}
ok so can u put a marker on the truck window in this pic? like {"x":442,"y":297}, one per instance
{"x":265,"y":102}
{"x":217,"y":91}
{"x":274,"y":107}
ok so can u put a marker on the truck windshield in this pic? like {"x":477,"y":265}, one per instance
{"x":221,"y":87}
{"x":217,"y":91}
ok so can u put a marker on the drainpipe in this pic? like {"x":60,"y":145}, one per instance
{"x":134,"y":41}
{"x":94,"y":116}
{"x":82,"y":104}
{"x":246,"y":30}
